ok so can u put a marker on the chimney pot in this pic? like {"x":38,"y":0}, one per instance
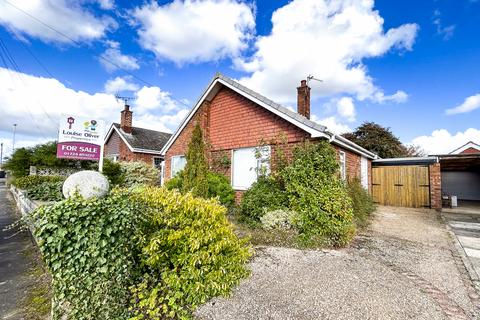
{"x":303,"y":99}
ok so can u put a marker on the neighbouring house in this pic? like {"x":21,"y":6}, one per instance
{"x":467,"y":148}
{"x":425,"y":182}
{"x":235,"y":120}
{"x":125,"y":142}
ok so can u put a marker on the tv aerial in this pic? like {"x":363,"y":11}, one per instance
{"x":124,"y":99}
{"x":311,"y":77}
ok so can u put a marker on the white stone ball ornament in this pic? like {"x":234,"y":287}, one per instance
{"x":87,"y":183}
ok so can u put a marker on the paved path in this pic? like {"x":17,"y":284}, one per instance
{"x":14,"y":260}
{"x":466,"y":227}
{"x":404,"y":267}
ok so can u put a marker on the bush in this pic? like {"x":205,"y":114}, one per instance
{"x":315,"y":192}
{"x":113,"y":171}
{"x":46,"y":191}
{"x":278,"y":219}
{"x":139,"y":173}
{"x":189,"y":253}
{"x":88,"y":246}
{"x":265,"y":195}
{"x":362,"y":202}
{"x":25,"y":183}
{"x":196,"y":168}
{"x":218,"y":187}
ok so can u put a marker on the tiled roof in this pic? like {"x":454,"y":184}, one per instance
{"x":273,"y":104}
{"x":144,"y":139}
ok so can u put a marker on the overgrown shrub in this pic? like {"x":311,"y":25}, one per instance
{"x":189,"y":253}
{"x":139,"y":173}
{"x":113,"y":171}
{"x":89,"y":248}
{"x":278,"y":219}
{"x":315,"y":192}
{"x":28,"y":182}
{"x":218,"y":187}
{"x":265,"y":195}
{"x":362,"y":201}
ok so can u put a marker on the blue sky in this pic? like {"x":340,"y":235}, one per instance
{"x":409,"y":65}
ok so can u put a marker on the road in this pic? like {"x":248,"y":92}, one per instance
{"x":15,"y":260}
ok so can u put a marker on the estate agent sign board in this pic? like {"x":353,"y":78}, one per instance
{"x":80,"y":138}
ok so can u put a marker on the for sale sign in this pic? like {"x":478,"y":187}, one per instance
{"x":80,"y":138}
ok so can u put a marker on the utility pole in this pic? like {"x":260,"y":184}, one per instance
{"x":1,"y":155}
{"x":14,"y":132}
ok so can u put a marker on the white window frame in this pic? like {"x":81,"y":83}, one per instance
{"x":364,"y":173}
{"x":264,"y":161}
{"x":171,"y":164}
{"x":342,"y":159}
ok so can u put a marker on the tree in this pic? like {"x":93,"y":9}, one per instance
{"x":196,"y":168}
{"x":382,"y":141}
{"x":19,"y":162}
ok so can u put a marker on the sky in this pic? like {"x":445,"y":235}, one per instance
{"x":412,"y":66}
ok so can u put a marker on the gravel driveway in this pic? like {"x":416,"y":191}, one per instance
{"x":404,"y":267}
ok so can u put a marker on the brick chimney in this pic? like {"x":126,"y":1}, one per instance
{"x":126,"y":119}
{"x":303,"y":99}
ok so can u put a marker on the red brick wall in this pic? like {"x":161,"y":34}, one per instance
{"x":112,"y":147}
{"x":231,"y":121}
{"x":435,"y":186}
{"x":470,"y":150}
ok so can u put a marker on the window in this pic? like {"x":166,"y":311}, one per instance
{"x":248,"y":164}
{"x":157,"y":162}
{"x":178,"y":163}
{"x":343,"y":165}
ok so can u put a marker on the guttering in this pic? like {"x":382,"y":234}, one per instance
{"x":405,"y":161}
{"x":349,"y":145}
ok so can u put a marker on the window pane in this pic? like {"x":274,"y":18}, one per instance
{"x":248,"y":164}
{"x":343,"y":169}
{"x":178,"y":163}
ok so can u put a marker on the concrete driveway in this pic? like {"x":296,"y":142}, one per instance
{"x":404,"y":267}
{"x":465,"y":224}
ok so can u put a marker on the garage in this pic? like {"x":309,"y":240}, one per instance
{"x":407,"y":182}
{"x":461,"y":177}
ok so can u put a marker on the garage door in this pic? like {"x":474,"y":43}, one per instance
{"x":401,"y":186}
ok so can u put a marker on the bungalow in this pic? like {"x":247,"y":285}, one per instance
{"x":125,"y":142}
{"x":234,"y":120}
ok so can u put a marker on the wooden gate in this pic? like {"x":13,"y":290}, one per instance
{"x":401,"y":186}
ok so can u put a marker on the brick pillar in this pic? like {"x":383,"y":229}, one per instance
{"x":303,"y":99}
{"x":126,"y":117}
{"x":435,"y":186}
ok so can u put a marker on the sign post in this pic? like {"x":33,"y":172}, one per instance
{"x":81,"y":139}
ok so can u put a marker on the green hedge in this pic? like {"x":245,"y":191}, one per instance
{"x":145,"y":253}
{"x":27,"y":182}
{"x":88,"y":247}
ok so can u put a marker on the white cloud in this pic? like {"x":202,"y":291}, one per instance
{"x":106,"y":4}
{"x":332,"y":124}
{"x":112,"y":58}
{"x":153,"y":98}
{"x":445,"y":31}
{"x":36,"y":103}
{"x":120,"y":84}
{"x":67,"y":17}
{"x":442,"y":141}
{"x":328,"y":39}
{"x":398,"y":97}
{"x":195,"y":31}
{"x":346,"y":108}
{"x":159,"y":122}
{"x":469,"y":104}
